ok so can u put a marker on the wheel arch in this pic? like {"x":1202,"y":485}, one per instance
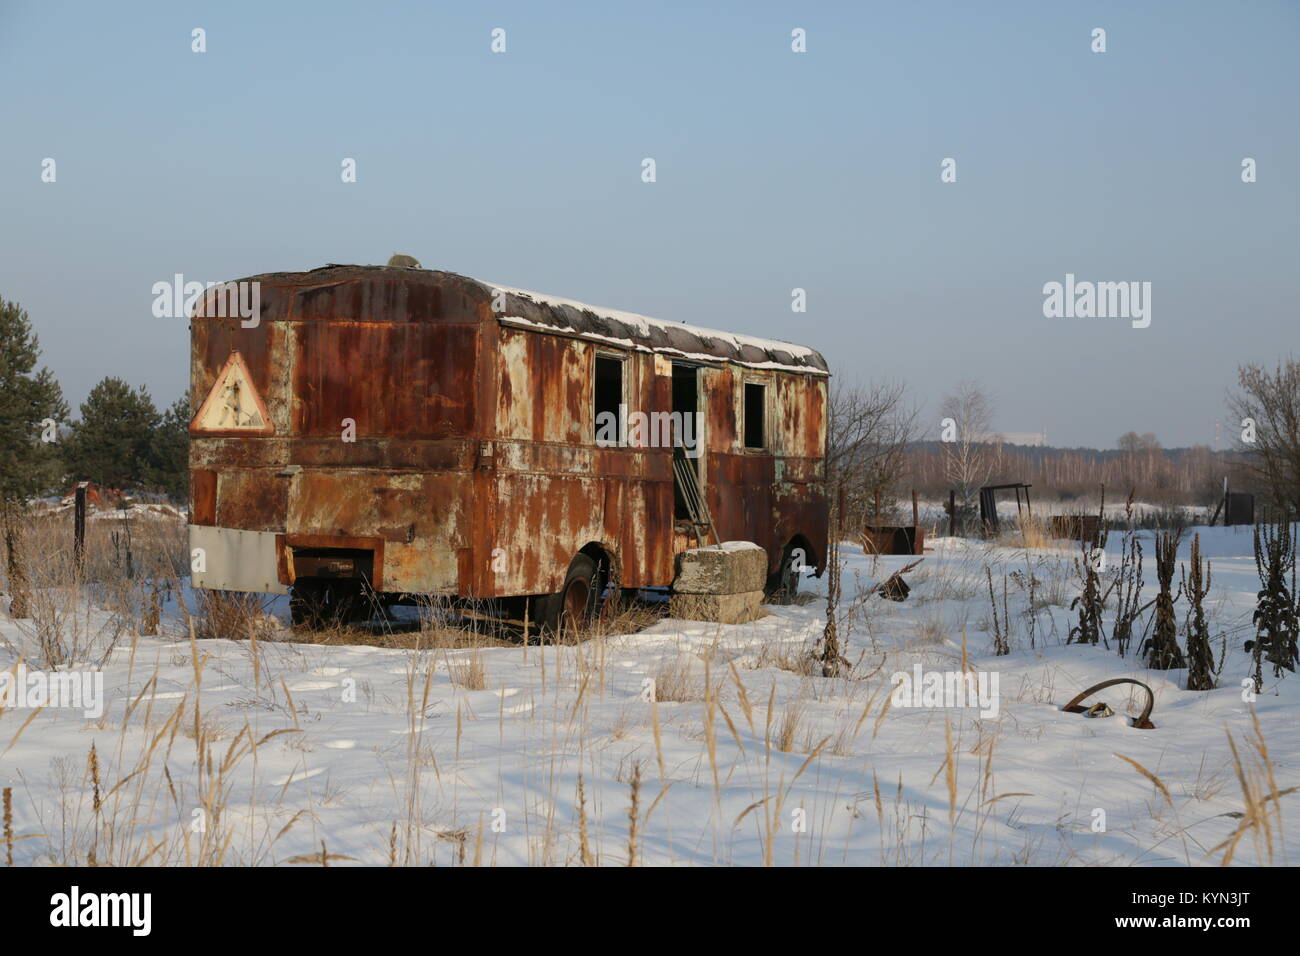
{"x":606,"y":557}
{"x":811,"y":557}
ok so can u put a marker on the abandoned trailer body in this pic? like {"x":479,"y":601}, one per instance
{"x":435,"y":435}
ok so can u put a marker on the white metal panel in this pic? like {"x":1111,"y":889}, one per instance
{"x":234,"y":560}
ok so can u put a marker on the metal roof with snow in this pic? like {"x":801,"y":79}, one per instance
{"x":630,"y":330}
{"x":534,"y":310}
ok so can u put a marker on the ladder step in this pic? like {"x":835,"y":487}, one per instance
{"x":689,"y":485}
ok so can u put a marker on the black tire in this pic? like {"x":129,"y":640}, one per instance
{"x":305,"y":601}
{"x":317,"y":604}
{"x":574,"y":605}
{"x":783,"y":583}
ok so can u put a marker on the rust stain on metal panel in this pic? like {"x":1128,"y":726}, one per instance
{"x":513,"y":417}
{"x":203,"y":496}
{"x":251,"y":500}
{"x":394,"y":381}
{"x":284,"y":561}
{"x":544,"y":390}
{"x":740,"y":490}
{"x":212,"y":342}
{"x":801,"y":415}
{"x":367,"y":300}
{"x":720,"y":403}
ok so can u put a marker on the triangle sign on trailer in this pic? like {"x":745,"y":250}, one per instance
{"x":233,"y":404}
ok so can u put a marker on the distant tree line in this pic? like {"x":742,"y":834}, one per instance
{"x":119,"y":440}
{"x":1264,"y":457}
{"x":1174,"y":476}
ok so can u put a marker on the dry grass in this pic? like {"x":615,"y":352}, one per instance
{"x":468,"y":672}
{"x":1029,"y":531}
{"x":1209,"y":782}
{"x":954,"y":581}
{"x":782,"y":655}
{"x":617,"y":617}
{"x":443,"y":625}
{"x":678,"y":679}
{"x":200,"y":766}
{"x":788,"y":729}
{"x":78,"y":614}
{"x":1155,"y":781}
{"x":931,"y":630}
{"x":1050,"y":586}
{"x":584,"y":842}
{"x":1261,"y":817}
{"x":117,"y":544}
{"x":9,"y":825}
{"x":232,"y":615}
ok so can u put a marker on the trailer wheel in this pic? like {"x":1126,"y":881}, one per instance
{"x":783,"y":584}
{"x":575,"y":603}
{"x":317,"y":604}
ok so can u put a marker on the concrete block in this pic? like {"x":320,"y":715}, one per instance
{"x":738,"y":567}
{"x":720,"y":608}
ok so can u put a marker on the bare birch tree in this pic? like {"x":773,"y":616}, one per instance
{"x":968,"y":444}
{"x":866,"y":455}
{"x":1268,"y":407}
{"x":868,"y":431}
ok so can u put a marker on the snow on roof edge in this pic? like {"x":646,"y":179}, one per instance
{"x":521,"y":322}
{"x":813,"y":361}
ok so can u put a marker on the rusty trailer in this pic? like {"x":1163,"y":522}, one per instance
{"x":394,"y":432}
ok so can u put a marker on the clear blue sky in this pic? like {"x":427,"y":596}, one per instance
{"x":775,"y":170}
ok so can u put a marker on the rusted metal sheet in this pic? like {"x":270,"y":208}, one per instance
{"x":410,"y":418}
{"x":1141,"y":722}
{"x":894,"y":539}
{"x":989,"y":504}
{"x":721,"y":409}
{"x":1240,"y":508}
{"x":251,"y":500}
{"x":1077,"y":527}
{"x":203,"y":496}
{"x":545,"y":388}
{"x":395,"y":381}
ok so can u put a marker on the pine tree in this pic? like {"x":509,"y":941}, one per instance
{"x":168,"y":468}
{"x":30,"y":401}
{"x":111,"y":444}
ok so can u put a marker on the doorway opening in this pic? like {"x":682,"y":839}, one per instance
{"x":686,"y":405}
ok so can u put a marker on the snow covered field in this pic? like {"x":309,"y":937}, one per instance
{"x":686,"y":743}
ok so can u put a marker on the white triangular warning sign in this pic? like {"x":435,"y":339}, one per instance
{"x":233,"y":405}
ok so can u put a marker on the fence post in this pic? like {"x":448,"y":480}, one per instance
{"x":79,"y":529}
